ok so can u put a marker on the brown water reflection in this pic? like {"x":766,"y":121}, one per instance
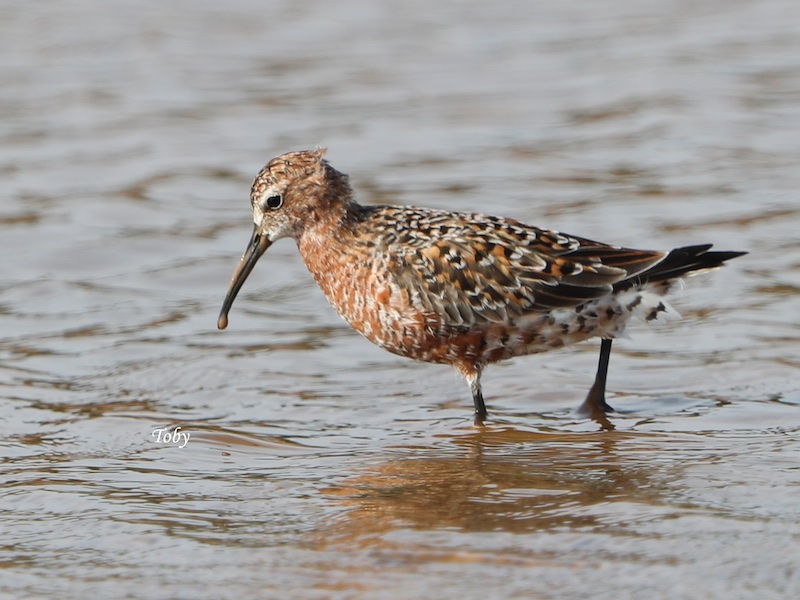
{"x":548,"y":481}
{"x":579,"y":501}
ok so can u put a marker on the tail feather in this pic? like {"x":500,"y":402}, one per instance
{"x":680,"y":262}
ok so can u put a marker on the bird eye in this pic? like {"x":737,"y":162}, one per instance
{"x":274,"y":202}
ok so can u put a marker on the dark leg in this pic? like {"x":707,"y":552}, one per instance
{"x":595,"y":404}
{"x":477,"y":399}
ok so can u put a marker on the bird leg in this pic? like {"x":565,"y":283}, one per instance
{"x":474,"y":380}
{"x":595,"y":405}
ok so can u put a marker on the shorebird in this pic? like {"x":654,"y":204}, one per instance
{"x":457,"y":288}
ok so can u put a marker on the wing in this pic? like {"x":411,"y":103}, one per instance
{"x":470,"y":269}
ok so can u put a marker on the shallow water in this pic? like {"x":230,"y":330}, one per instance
{"x":318,"y":466}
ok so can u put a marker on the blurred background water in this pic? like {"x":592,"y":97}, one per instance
{"x":319,"y":466}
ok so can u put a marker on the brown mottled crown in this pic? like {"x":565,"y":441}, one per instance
{"x":307,"y":191}
{"x":287,"y":168}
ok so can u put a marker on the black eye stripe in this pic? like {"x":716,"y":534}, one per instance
{"x":274,"y":202}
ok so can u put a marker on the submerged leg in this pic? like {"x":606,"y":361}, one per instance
{"x":595,"y":404}
{"x":474,"y":380}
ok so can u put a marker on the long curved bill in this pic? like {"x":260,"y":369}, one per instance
{"x":255,"y":248}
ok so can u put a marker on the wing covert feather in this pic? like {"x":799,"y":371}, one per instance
{"x":469,"y":269}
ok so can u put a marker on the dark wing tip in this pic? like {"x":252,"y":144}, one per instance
{"x":681,"y":261}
